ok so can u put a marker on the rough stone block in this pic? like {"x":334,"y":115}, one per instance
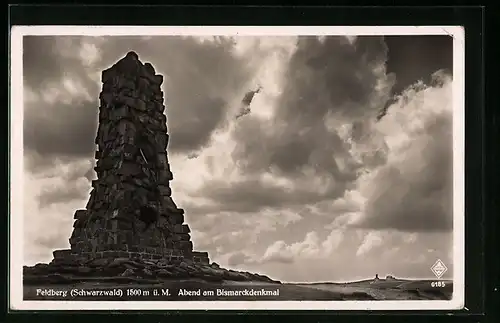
{"x":168,"y":204}
{"x":200,"y":254}
{"x":129,"y":169}
{"x":73,"y":240}
{"x":119,"y":113}
{"x":159,"y":97}
{"x":161,"y":143}
{"x":181,"y":228}
{"x":181,"y":237}
{"x":76,"y":233}
{"x":155,"y":124}
{"x":132,"y":55}
{"x":124,"y":99}
{"x":143,"y":83}
{"x":105,"y":164}
{"x":129,"y":65}
{"x":160,"y":107}
{"x":107,"y":75}
{"x":111,"y":254}
{"x":122,"y":247}
{"x":80,"y":214}
{"x":162,"y":159}
{"x":129,"y":152}
{"x":164,"y":190}
{"x":80,"y":223}
{"x":123,"y":254}
{"x":175,"y":218}
{"x":62,"y":253}
{"x":140,"y":105}
{"x":205,"y":261}
{"x":185,"y":245}
{"x":149,"y":69}
{"x":125,"y":85}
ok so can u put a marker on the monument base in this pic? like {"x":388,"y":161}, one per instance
{"x":123,"y":268}
{"x":170,"y":256}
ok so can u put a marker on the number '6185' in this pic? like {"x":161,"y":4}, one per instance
{"x":438,"y":284}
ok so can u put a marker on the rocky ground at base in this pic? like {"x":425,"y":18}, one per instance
{"x":125,"y":270}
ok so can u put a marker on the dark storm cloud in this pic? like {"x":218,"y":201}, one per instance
{"x":44,"y":62}
{"x":253,"y":195}
{"x":197,"y":129}
{"x":329,"y":78}
{"x":60,"y":129}
{"x":200,"y":78}
{"x":416,"y":58}
{"x":297,"y":140}
{"x":41,"y":62}
{"x":57,"y":128}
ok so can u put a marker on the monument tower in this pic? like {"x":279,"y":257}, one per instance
{"x":130,"y":212}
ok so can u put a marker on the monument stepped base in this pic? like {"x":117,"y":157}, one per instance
{"x":172,"y":256}
{"x":118,"y":267}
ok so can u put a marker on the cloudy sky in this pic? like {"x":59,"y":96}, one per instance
{"x":340,"y":170}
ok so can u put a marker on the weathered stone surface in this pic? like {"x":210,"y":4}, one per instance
{"x":148,"y":68}
{"x":133,"y":174}
{"x":80,"y":214}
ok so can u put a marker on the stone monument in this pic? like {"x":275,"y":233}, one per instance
{"x":131,"y":231}
{"x":130,"y":212}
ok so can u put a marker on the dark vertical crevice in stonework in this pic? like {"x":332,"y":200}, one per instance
{"x":130,"y":212}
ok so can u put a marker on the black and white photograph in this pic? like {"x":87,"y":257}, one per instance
{"x":238,"y":167}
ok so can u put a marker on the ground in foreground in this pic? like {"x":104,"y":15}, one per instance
{"x":126,"y":279}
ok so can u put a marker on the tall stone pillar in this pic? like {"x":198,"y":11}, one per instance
{"x":130,"y":212}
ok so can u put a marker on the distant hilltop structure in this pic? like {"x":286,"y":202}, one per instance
{"x":388,"y":277}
